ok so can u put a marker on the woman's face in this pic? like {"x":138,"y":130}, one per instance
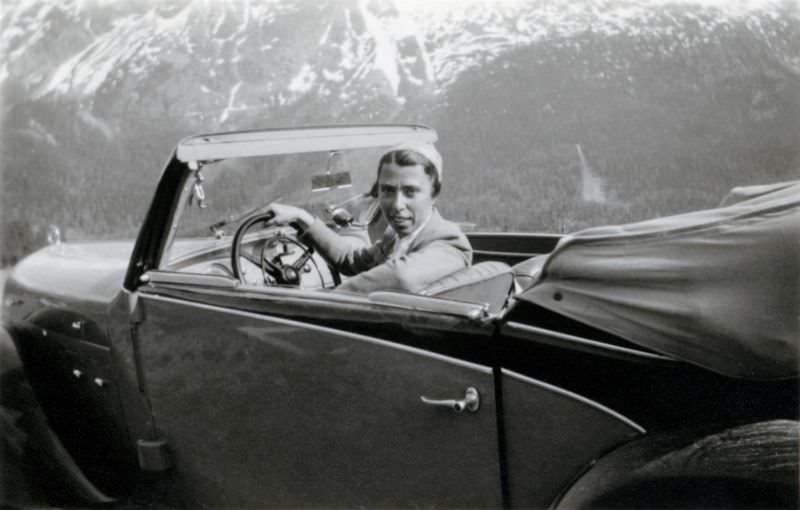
{"x":405,"y":194}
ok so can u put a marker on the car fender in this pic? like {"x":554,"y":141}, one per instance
{"x":30,"y":446}
{"x":752,"y":465}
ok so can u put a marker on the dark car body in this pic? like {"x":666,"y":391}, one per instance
{"x":201,"y":391}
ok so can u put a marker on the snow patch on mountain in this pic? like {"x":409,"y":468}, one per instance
{"x":392,"y":32}
{"x":231,"y":103}
{"x":134,"y":40}
{"x":37,"y":130}
{"x":97,"y":123}
{"x":465,"y":34}
{"x":303,"y":81}
{"x":396,"y":48}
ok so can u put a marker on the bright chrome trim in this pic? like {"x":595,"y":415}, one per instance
{"x":299,"y":140}
{"x":398,"y":300}
{"x":471,"y":401}
{"x":324,"y":329}
{"x":574,"y":396}
{"x":522,"y":235}
{"x":433,"y":304}
{"x":519,"y":330}
{"x":508,"y":254}
{"x":177,"y":278}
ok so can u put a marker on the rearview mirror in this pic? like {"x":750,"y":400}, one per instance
{"x":324,"y":182}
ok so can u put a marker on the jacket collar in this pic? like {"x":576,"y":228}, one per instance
{"x":428,"y":231}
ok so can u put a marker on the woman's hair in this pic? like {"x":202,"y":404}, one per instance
{"x":404,"y":157}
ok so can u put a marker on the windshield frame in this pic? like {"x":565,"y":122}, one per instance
{"x":273,"y":142}
{"x":196,"y":151}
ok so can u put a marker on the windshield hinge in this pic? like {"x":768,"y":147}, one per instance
{"x":198,"y":193}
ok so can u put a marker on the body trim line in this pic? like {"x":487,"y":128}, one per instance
{"x":525,"y":332}
{"x":574,"y":396}
{"x":324,"y":329}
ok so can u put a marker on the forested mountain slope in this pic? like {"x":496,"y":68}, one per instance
{"x":552,"y":116}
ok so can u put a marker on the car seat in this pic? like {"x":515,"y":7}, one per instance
{"x":486,"y":282}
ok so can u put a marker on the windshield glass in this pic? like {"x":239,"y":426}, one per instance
{"x":234,"y":189}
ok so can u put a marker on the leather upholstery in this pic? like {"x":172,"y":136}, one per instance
{"x":527,"y":271}
{"x":487,"y":282}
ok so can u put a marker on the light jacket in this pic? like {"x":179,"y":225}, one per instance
{"x":439,"y":249}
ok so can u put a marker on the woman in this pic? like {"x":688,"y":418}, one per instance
{"x":419,"y":246}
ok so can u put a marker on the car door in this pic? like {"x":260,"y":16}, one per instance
{"x":262,"y":410}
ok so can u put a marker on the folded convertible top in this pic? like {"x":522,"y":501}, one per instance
{"x":719,"y":288}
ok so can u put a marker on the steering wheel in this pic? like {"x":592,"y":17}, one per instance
{"x":272,"y":268}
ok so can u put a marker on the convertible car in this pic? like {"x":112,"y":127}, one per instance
{"x":213,"y":362}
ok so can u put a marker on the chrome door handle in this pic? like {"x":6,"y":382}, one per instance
{"x":471,"y":401}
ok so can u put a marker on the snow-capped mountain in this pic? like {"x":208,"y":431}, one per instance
{"x":510,"y":84}
{"x":231,"y":57}
{"x":258,"y":56}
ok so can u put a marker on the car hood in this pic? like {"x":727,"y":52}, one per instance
{"x":90,"y":272}
{"x":719,"y":288}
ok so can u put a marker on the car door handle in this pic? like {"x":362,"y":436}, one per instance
{"x":471,"y":401}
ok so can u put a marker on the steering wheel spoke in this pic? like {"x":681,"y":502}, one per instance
{"x":303,"y":259}
{"x":269,"y":265}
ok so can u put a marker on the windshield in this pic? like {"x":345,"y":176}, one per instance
{"x":234,"y":189}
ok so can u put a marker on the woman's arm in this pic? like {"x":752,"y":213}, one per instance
{"x":341,"y":254}
{"x":411,"y":272}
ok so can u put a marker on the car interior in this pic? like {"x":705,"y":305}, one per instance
{"x":247,"y":250}
{"x":489,"y":283}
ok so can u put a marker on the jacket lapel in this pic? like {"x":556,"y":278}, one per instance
{"x":428,"y":232}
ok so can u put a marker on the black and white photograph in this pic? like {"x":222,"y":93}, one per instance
{"x":356,"y":254}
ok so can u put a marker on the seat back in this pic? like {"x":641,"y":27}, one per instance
{"x":528,"y":271}
{"x":486,"y":282}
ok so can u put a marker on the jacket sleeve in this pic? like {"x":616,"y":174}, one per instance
{"x":411,"y":272}
{"x":348,"y":258}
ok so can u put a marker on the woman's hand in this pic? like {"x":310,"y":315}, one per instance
{"x":285,"y":214}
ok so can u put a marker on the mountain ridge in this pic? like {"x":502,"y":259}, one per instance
{"x":369,"y":35}
{"x":95,"y":95}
